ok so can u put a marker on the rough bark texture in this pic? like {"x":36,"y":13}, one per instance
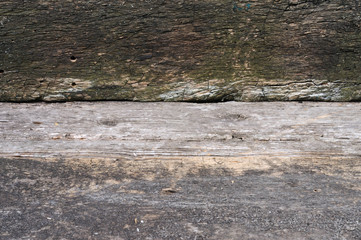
{"x":120,"y":170}
{"x":180,"y":50}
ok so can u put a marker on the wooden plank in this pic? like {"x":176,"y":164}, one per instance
{"x":121,"y":170}
{"x":180,"y":50}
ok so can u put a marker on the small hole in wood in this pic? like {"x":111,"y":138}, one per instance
{"x":73,"y":84}
{"x":168,"y":191}
{"x":73,"y":59}
{"x":1,"y":71}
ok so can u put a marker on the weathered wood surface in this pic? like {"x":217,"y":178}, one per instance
{"x":180,"y":50}
{"x":121,"y":170}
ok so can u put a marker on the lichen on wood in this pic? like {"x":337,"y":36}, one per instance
{"x":181,"y":50}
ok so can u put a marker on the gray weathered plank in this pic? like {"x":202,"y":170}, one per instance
{"x":121,"y":170}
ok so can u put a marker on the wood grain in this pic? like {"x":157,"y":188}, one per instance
{"x":181,"y":50}
{"x":123,"y":170}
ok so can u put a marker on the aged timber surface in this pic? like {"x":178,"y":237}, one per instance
{"x":180,"y":50}
{"x":122,"y":170}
